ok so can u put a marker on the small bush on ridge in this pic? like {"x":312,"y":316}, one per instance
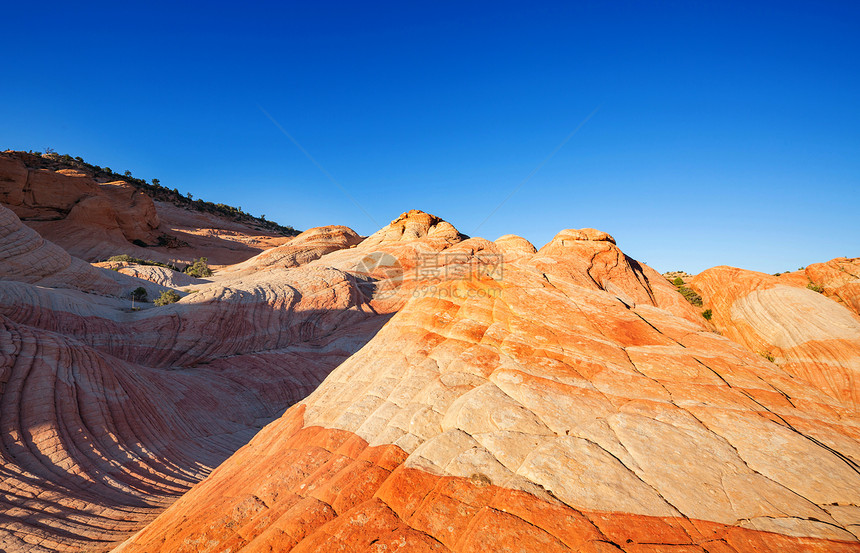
{"x":139,"y":294}
{"x":815,"y":288}
{"x":167,"y":297}
{"x":199,"y":268}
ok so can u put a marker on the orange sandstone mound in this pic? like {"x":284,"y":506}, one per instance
{"x":808,"y":335}
{"x":562,"y":401}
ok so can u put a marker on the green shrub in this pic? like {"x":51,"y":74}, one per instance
{"x":707,"y":314}
{"x":767,"y":355}
{"x":125,"y":258}
{"x":199,"y":268}
{"x":167,"y":297}
{"x":139,"y":294}
{"x":690,"y":296}
{"x":815,"y":288}
{"x":678,"y":281}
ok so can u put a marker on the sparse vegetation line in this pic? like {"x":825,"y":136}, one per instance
{"x":125,"y":258}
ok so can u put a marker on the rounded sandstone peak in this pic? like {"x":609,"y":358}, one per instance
{"x":304,"y":248}
{"x":330,"y":234}
{"x":586,"y":234}
{"x":511,"y":243}
{"x":412,"y":225}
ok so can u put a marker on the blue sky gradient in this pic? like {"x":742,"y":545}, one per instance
{"x":726,"y":133}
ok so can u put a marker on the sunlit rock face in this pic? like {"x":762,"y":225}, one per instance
{"x":839,"y":279}
{"x":566,"y":400}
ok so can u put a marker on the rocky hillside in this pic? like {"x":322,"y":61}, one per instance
{"x":94,"y":214}
{"x":418,"y":390}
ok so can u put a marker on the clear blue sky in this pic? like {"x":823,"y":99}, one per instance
{"x":727,"y":133}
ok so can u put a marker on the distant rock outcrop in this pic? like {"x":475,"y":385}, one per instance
{"x":94,"y":220}
{"x":27,"y":257}
{"x":300,"y":250}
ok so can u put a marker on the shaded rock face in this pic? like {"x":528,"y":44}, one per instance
{"x":569,"y":404}
{"x":808,"y":335}
{"x":47,"y":197}
{"x":27,"y":257}
{"x":442,"y":393}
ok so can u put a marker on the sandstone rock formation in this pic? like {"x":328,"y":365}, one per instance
{"x":222,"y":241}
{"x":96,"y":220}
{"x":300,"y":250}
{"x":108,"y":414}
{"x":159,"y":275}
{"x":445,"y":393}
{"x":839,"y":278}
{"x":27,"y":257}
{"x":570,"y":404}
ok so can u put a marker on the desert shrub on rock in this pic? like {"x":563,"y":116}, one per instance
{"x":815,"y":287}
{"x":167,"y":297}
{"x":690,"y":296}
{"x":139,"y":294}
{"x":200,"y":268}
